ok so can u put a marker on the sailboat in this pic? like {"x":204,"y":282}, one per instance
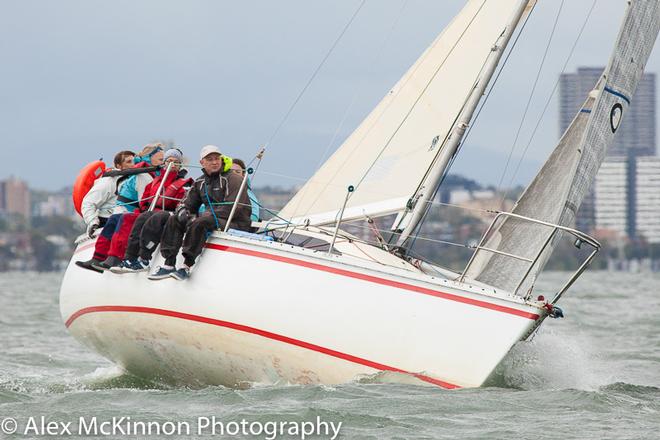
{"x":318,"y":305}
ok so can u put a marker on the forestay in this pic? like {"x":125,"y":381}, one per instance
{"x":558,"y":190}
{"x":387,"y":156}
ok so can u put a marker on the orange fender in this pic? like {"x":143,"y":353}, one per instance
{"x":85,"y":181}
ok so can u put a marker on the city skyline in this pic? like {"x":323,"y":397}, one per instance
{"x":612,"y":200}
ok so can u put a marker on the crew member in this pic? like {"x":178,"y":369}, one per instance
{"x":100,"y":201}
{"x":148,"y":228}
{"x":217,"y":189}
{"x":129,"y":192}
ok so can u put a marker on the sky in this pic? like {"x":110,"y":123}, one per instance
{"x":83,"y":79}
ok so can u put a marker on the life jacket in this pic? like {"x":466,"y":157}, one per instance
{"x":254,"y":202}
{"x":172,"y":193}
{"x":127,"y":194}
{"x":84,"y":182}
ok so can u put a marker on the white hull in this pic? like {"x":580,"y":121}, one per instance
{"x":269,"y":312}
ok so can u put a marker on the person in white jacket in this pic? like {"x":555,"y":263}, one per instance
{"x":100,"y":202}
{"x":127,"y":193}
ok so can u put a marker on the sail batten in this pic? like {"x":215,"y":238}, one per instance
{"x":390,"y":152}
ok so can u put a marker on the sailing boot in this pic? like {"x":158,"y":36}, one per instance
{"x":181,"y":274}
{"x":131,"y":266}
{"x":161,"y":273}
{"x":89,"y":265}
{"x":107,"y":263}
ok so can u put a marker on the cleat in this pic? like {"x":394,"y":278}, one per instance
{"x":181,"y":274}
{"x":161,"y":273}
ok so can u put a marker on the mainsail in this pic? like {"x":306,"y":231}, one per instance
{"x":558,"y":190}
{"x":388,"y":155}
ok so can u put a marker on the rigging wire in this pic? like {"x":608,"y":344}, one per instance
{"x":451,"y":50}
{"x":531,"y":95}
{"x":552,"y":94}
{"x":472,"y":124}
{"x":373,"y":229}
{"x":432,"y":240}
{"x":316,"y":71}
{"x":373,"y":62}
{"x":421,"y":94}
{"x":375,"y":58}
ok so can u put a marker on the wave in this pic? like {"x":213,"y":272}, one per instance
{"x":551,"y":361}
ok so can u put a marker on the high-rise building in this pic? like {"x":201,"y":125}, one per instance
{"x":636,"y":137}
{"x":610,"y":196}
{"x":15,"y":197}
{"x":647,"y":212}
{"x":637,"y":133}
{"x":626,"y":197}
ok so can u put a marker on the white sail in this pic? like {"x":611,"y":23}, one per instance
{"x":387,"y":156}
{"x":558,"y":190}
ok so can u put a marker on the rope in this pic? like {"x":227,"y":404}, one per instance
{"x":208,"y":199}
{"x":531,"y":95}
{"x":349,"y":237}
{"x":467,"y":208}
{"x":433,"y":240}
{"x":311,"y":79}
{"x":273,"y":213}
{"x":143,"y":199}
{"x":552,"y":94}
{"x":425,"y":259}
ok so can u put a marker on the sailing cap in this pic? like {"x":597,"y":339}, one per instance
{"x":208,"y":149}
{"x":173,"y":152}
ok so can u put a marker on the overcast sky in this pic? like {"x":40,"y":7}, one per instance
{"x":83,"y":79}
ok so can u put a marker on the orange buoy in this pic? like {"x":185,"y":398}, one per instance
{"x":85,"y":181}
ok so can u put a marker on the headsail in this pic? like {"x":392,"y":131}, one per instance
{"x":558,"y":190}
{"x":388,"y":155}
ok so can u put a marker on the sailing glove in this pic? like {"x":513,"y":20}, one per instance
{"x":92,"y":227}
{"x":182,"y":215}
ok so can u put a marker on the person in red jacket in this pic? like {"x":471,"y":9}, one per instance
{"x":149,"y":224}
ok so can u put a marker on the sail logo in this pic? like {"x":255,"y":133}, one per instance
{"x":434,"y":142}
{"x":616,"y":114}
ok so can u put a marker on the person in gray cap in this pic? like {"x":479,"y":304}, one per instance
{"x":217,"y":189}
{"x":148,"y":228}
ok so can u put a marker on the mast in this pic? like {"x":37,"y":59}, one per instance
{"x":420,"y":201}
{"x":557,"y":191}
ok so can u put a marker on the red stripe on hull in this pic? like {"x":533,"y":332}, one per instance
{"x":374,"y":279}
{"x":82,"y":248}
{"x":259,"y":332}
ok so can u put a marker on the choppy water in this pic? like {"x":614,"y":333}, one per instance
{"x":593,"y":375}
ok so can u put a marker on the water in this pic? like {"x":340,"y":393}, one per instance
{"x":593,"y":375}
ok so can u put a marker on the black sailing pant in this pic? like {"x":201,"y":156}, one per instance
{"x":145,"y":235}
{"x":192,"y":237}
